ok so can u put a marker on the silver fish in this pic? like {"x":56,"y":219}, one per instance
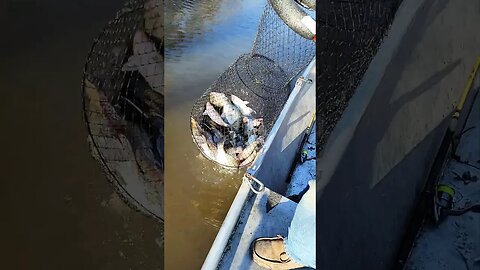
{"x":250,"y":149}
{"x":211,"y":144}
{"x":147,"y":60}
{"x":242,"y":106}
{"x":251,"y":139}
{"x":251,"y":125}
{"x":214,"y":115}
{"x":231,"y":114}
{"x":236,"y":125}
{"x":249,"y":159}
{"x":217,"y":136}
{"x":144,"y":155}
{"x":218,"y":99}
{"x":224,"y":158}
{"x":234,"y":151}
{"x":153,"y":18}
{"x":201,"y":140}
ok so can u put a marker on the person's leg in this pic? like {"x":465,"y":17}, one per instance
{"x":301,"y":241}
{"x":298,"y":249}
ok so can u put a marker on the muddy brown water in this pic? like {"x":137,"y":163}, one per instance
{"x":203,"y":38}
{"x":58,"y":209}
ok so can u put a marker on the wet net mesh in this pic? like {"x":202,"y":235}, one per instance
{"x":123,"y":103}
{"x":348,"y":37}
{"x":260,"y":78}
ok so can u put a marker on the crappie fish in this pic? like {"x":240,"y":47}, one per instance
{"x":147,"y":60}
{"x":251,"y":139}
{"x":214,"y":115}
{"x":249,"y":159}
{"x":231,"y":114}
{"x":217,"y":135}
{"x":159,"y":145}
{"x":224,"y":158}
{"x":242,"y":106}
{"x":251,"y":125}
{"x":154,"y":18}
{"x":234,"y":151}
{"x":218,"y":99}
{"x":201,"y":140}
{"x":211,"y":144}
{"x":196,"y":129}
{"x":250,"y":149}
{"x":144,"y":155}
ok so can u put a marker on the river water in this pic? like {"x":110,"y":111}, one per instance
{"x":58,"y":209}
{"x":203,"y":37}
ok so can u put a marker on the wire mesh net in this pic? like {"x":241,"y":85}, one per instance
{"x":123,"y":103}
{"x":231,"y":120}
{"x":349,"y":35}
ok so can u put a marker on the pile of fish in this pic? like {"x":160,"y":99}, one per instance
{"x":228,"y":132}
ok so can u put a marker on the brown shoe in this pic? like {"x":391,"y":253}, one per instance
{"x":270,"y":253}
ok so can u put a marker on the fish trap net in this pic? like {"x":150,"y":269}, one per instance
{"x":349,"y":35}
{"x":123,"y":104}
{"x":231,"y":120}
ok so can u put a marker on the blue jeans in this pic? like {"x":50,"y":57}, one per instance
{"x":300,"y":243}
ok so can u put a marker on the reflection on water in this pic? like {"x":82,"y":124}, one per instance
{"x":188,"y":19}
{"x":202,"y":38}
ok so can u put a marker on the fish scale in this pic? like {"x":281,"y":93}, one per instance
{"x":214,"y":115}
